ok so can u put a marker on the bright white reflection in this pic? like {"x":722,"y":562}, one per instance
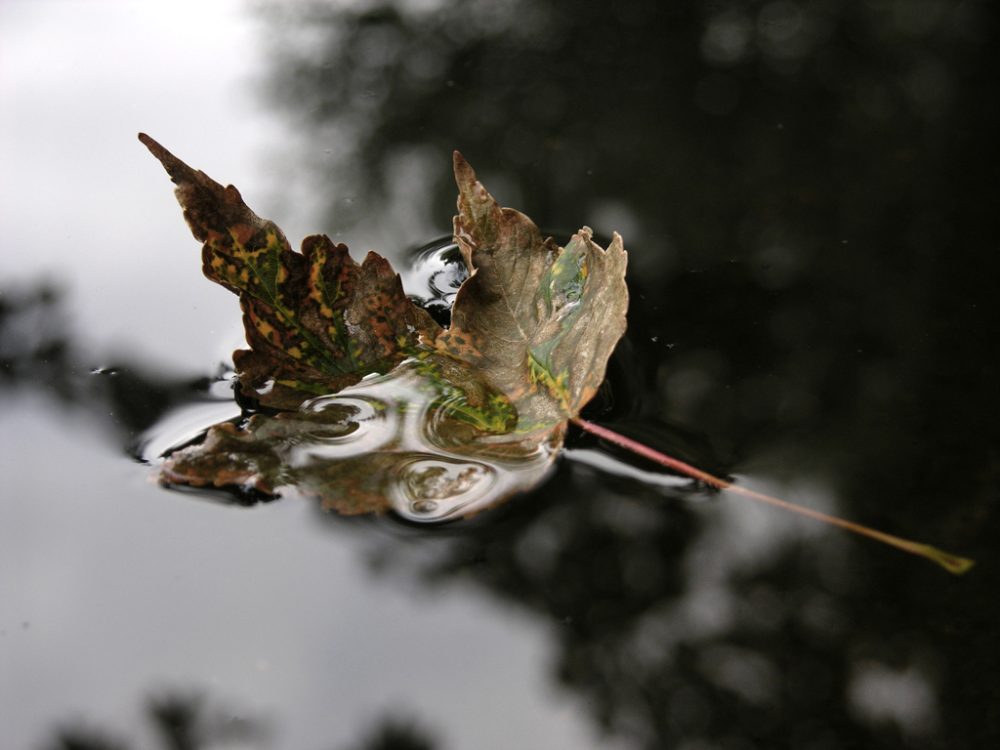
{"x":83,"y":202}
{"x":113,"y":595}
{"x":738,"y":538}
{"x":612,"y":465}
{"x":904,"y":697}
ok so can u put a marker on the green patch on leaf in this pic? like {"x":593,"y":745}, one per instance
{"x":539,"y":321}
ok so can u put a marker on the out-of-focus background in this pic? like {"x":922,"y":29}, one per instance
{"x":807,"y":193}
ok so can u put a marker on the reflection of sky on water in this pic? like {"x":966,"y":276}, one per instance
{"x":117,"y":594}
{"x":82,"y":203}
{"x":113,"y":589}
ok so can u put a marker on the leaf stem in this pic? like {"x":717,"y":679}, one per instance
{"x":951,"y":563}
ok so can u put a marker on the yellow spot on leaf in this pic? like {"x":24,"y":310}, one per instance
{"x":266,"y":330}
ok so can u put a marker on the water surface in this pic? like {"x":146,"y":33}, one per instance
{"x":806,"y":192}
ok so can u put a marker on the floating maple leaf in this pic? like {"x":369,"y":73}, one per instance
{"x":532,"y":329}
{"x":460,"y":418}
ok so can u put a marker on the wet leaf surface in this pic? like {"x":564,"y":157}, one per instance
{"x":388,"y":443}
{"x":379,"y":408}
{"x":539,"y":321}
{"x":316,"y":321}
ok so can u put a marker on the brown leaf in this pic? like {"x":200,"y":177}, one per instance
{"x":316,"y":321}
{"x":465,"y":417}
{"x":538,"y":321}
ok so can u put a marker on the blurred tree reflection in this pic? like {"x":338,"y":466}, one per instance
{"x":800,"y":186}
{"x":725,"y":128}
{"x":41,"y":350}
{"x":182,"y":720}
{"x":808,"y":196}
{"x":395,"y":733}
{"x":188,"y":721}
{"x":33,"y":340}
{"x":84,"y":738}
{"x":807,"y":190}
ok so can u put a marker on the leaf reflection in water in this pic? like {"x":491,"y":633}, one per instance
{"x":390,"y":443}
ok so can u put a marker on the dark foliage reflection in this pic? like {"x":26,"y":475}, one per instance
{"x":180,"y":721}
{"x":40,"y":350}
{"x":181,"y":726}
{"x":395,"y":733}
{"x":193,"y":721}
{"x":190,"y":721}
{"x":801,"y":186}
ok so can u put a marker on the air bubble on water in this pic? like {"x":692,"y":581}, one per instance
{"x":434,"y":275}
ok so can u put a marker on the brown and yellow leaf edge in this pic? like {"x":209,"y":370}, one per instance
{"x":532,"y":327}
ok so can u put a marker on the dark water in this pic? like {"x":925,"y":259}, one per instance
{"x":806,"y":191}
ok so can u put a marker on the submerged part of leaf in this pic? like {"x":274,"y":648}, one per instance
{"x":316,"y":321}
{"x":538,"y":321}
{"x":393,"y":442}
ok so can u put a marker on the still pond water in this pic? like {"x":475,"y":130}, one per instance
{"x":805,"y":190}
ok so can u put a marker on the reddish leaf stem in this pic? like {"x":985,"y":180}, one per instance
{"x":951,"y":563}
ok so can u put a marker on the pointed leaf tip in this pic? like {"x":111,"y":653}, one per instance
{"x":465,"y":175}
{"x":179,"y":171}
{"x":154,"y":147}
{"x":150,"y":143}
